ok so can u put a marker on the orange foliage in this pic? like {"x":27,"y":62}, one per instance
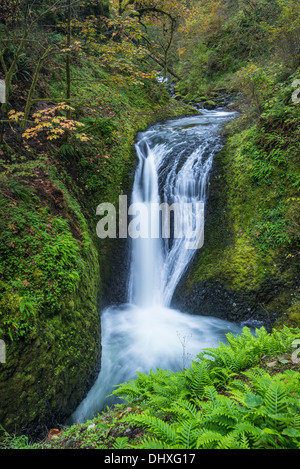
{"x":54,"y":126}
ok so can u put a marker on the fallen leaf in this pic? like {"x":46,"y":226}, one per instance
{"x":54,"y":433}
{"x":271,"y":364}
{"x":128,"y":410}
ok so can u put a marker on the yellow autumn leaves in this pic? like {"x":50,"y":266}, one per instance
{"x":48,"y":121}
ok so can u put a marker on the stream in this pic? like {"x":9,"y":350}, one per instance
{"x":175,"y":159}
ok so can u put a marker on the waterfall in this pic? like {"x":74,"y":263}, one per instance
{"x":175,"y":159}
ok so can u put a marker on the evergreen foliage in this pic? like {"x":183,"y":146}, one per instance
{"x":98,"y":57}
{"x":242,"y":407}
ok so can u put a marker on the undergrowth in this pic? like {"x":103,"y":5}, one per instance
{"x":240,"y":395}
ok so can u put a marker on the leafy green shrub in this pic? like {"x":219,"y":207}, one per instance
{"x":255,"y":83}
{"x":105,"y":125}
{"x":265,"y":171}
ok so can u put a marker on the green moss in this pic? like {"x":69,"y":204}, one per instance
{"x":209,"y":104}
{"x":294,"y":315}
{"x":291,"y":316}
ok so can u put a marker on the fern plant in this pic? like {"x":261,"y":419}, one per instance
{"x":157,"y":389}
{"x":266,"y":417}
{"x":203,"y":407}
{"x":121,"y":443}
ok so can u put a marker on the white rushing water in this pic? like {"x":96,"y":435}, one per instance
{"x":175,"y":158}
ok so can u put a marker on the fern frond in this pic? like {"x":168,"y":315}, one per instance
{"x":254,"y":373}
{"x":221,"y":420}
{"x":210,"y":393}
{"x":185,"y":409}
{"x":220,"y":375}
{"x":244,"y":444}
{"x":296,"y":422}
{"x":262,"y":383}
{"x":129,"y":389}
{"x":238,"y":342}
{"x":229,"y":442}
{"x":198,"y":377}
{"x":248,"y":428}
{"x":153,"y":443}
{"x":239,"y":385}
{"x":275,"y":399}
{"x":185,"y":435}
{"x":227,"y":357}
{"x":157,"y":426}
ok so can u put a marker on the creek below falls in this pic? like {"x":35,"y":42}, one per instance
{"x":175,"y":159}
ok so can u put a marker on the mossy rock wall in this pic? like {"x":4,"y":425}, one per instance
{"x":50,"y":285}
